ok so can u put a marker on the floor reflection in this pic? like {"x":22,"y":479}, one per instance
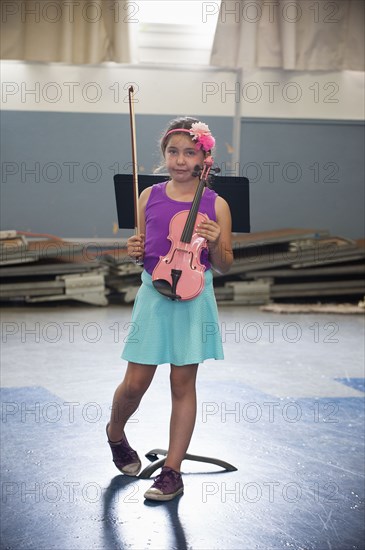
{"x":289,"y":416}
{"x":127,"y":489}
{"x":179,"y":542}
{"x":111,"y":526}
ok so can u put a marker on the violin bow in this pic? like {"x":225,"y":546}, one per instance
{"x":134,"y":159}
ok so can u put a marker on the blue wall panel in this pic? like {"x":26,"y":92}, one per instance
{"x":57,"y":170}
{"x":305,"y":173}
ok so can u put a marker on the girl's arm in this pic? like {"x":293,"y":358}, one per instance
{"x":219,"y":237}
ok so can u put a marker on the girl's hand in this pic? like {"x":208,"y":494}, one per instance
{"x":135,"y":246}
{"x":210,"y":230}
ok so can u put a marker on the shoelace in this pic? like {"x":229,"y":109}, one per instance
{"x":163,"y":480}
{"x":123,"y":448}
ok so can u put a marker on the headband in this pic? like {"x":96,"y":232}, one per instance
{"x":199,"y":133}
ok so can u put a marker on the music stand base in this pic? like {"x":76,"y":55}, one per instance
{"x":159,"y":462}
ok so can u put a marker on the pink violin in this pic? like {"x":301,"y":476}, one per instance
{"x":180,"y":275}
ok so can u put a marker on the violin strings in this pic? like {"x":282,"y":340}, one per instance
{"x":190,"y":222}
{"x":191,"y":219}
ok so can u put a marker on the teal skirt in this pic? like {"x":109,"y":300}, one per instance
{"x":167,"y":331}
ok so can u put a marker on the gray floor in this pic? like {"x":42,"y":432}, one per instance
{"x":286,"y":407}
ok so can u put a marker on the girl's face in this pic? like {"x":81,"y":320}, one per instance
{"x":181,"y":157}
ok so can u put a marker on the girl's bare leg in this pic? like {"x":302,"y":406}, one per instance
{"x":127,"y":397}
{"x":183,"y":413}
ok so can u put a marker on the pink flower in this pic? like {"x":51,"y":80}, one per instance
{"x":202,"y":135}
{"x":206,"y":142}
{"x":200,"y":128}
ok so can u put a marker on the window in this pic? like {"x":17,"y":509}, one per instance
{"x":175,"y":31}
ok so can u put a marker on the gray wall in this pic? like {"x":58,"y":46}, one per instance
{"x":305,"y":173}
{"x":57,"y":170}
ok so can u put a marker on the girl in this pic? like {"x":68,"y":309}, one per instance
{"x":168,"y":331}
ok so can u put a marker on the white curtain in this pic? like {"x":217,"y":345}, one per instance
{"x":80,"y":32}
{"x":297,"y":35}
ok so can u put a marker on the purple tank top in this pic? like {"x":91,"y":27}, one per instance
{"x":159,"y":211}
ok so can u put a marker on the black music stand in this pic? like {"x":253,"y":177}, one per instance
{"x":236,"y":192}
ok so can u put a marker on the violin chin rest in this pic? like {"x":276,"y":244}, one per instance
{"x":165,"y":288}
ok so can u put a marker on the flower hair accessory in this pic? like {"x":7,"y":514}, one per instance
{"x":202,"y":135}
{"x":199,"y":133}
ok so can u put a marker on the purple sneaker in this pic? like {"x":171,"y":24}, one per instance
{"x":124,"y":457}
{"x":167,"y":485}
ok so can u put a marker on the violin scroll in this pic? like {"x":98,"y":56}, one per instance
{"x":203,"y":171}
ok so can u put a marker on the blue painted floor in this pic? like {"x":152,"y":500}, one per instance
{"x":286,"y":407}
